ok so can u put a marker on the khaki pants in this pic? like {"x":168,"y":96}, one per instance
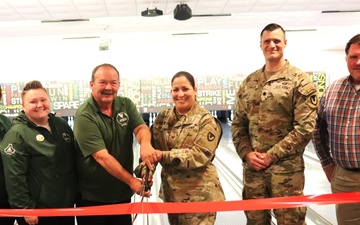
{"x":346,"y":181}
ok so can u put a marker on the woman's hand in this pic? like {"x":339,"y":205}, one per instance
{"x":32,"y":220}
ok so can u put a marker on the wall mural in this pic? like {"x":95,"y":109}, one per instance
{"x":215,"y":92}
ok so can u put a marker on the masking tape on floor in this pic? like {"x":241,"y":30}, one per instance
{"x":191,"y":207}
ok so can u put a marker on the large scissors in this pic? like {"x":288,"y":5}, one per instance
{"x":145,"y":188}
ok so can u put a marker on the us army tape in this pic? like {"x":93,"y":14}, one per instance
{"x":191,"y":207}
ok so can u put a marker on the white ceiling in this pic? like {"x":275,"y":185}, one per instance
{"x":22,"y":18}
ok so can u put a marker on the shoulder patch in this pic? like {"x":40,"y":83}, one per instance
{"x":210,"y":136}
{"x":9,"y":150}
{"x":314,"y":100}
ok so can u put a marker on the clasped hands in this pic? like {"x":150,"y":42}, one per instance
{"x":149,"y":158}
{"x":258,"y":161}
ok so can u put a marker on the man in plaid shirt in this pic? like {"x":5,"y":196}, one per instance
{"x":337,"y":134}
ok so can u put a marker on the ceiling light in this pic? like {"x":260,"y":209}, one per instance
{"x":340,"y":11}
{"x":64,"y":20}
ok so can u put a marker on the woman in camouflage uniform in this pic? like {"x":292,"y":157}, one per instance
{"x":188,"y":135}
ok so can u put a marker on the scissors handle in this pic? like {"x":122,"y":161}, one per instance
{"x":146,"y":182}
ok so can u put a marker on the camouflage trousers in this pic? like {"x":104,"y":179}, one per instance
{"x":262,"y":184}
{"x":192,"y":219}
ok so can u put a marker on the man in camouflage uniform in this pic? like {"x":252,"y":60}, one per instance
{"x":273,"y":122}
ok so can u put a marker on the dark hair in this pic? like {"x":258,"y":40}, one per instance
{"x":32,"y":85}
{"x":0,"y":92}
{"x":102,"y":65}
{"x":188,"y":76}
{"x":271,"y":27}
{"x":353,"y":40}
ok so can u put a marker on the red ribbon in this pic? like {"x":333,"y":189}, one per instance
{"x":191,"y":207}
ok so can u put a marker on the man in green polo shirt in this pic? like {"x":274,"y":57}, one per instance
{"x":104,"y":126}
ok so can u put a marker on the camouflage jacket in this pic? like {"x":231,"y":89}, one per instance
{"x":276,"y":116}
{"x":188,"y":144}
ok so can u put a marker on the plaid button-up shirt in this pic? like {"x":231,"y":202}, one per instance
{"x":337,"y":132}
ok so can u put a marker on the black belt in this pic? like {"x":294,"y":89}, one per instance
{"x":353,"y":169}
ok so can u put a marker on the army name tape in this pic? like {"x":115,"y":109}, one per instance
{"x":191,"y":207}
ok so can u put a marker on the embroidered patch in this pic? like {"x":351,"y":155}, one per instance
{"x":314,"y":100}
{"x":66,"y":137}
{"x":210,"y":136}
{"x":122,"y":118}
{"x":9,"y":150}
{"x":40,"y":137}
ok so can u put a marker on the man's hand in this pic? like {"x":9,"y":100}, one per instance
{"x":137,"y":186}
{"x":149,"y":155}
{"x":267,"y":159}
{"x":256,"y":160}
{"x":328,"y":171}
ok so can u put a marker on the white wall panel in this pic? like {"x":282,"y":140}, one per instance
{"x":155,"y":54}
